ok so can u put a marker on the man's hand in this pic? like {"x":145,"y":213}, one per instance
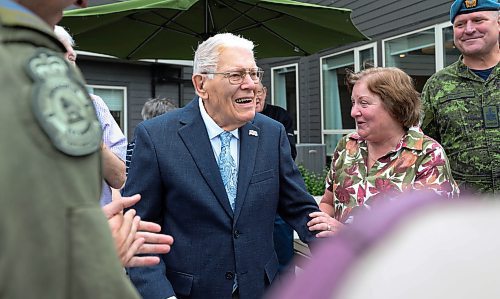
{"x":133,"y":236}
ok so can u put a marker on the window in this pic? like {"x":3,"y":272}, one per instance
{"x":414,"y":53}
{"x":116,"y":99}
{"x":421,"y":53}
{"x":285,"y":91}
{"x":335,"y":97}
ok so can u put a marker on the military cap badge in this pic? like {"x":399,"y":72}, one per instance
{"x":470,"y":3}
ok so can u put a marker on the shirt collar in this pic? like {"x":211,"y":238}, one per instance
{"x":213,"y":129}
{"x":413,"y":140}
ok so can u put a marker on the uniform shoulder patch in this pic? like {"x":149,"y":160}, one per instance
{"x":62,"y":106}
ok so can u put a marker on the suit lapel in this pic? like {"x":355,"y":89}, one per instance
{"x":200,"y":149}
{"x":249,"y":140}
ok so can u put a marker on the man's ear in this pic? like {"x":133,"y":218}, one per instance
{"x":198,"y":83}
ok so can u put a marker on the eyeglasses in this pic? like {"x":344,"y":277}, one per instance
{"x":237,"y":77}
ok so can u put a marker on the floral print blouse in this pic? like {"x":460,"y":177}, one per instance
{"x":417,"y":162}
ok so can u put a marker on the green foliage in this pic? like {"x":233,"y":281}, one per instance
{"x":315,"y":183}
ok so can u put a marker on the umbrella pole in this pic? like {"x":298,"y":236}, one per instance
{"x":206,"y":20}
{"x":209,"y":22}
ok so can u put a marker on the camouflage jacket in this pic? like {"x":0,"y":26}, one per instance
{"x":55,"y":240}
{"x":462,"y":114}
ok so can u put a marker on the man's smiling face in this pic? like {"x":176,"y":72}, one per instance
{"x":230,"y":105}
{"x":476,"y":34}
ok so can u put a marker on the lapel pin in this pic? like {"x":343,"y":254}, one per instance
{"x":252,"y":133}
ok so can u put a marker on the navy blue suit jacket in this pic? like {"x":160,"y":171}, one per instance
{"x":174,"y":169}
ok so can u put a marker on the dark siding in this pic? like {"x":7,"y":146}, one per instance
{"x":135,"y":77}
{"x":379,"y":18}
{"x":376,"y":19}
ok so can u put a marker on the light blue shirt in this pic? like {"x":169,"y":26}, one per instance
{"x":214,"y":131}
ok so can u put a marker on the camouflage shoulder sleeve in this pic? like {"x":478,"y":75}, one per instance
{"x":429,"y":125}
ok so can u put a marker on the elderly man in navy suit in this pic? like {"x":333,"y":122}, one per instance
{"x":201,"y":180}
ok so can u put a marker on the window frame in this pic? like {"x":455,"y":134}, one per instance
{"x":438,"y":43}
{"x":357,"y":67}
{"x":297,"y":90}
{"x":125,"y":102}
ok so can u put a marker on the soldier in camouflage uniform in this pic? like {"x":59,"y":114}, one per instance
{"x":55,"y":240}
{"x":462,"y":101}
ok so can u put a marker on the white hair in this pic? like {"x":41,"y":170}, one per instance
{"x":207,"y":55}
{"x":63,"y":35}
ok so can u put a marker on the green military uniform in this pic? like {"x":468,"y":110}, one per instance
{"x":54,"y":239}
{"x":462,"y":113}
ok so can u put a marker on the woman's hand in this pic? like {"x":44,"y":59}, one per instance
{"x":324,"y":223}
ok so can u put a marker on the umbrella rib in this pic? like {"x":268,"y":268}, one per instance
{"x":208,"y":15}
{"x":258,"y":24}
{"x":244,"y":13}
{"x":241,"y":13}
{"x":149,"y":37}
{"x":159,"y":28}
{"x":172,"y":20}
{"x":296,"y":48}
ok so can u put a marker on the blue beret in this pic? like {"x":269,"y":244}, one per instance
{"x":467,"y":6}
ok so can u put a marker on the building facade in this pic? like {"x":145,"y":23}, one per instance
{"x":415,"y":36}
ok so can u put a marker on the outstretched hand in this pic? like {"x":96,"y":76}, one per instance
{"x":133,"y":236}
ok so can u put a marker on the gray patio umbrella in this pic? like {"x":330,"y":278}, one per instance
{"x":172,"y":29}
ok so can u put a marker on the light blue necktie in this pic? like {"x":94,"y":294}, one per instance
{"x":227,"y":167}
{"x":229,"y":174}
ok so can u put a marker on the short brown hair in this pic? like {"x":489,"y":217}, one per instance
{"x":396,"y":90}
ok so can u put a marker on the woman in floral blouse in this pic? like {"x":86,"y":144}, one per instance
{"x":388,"y":154}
